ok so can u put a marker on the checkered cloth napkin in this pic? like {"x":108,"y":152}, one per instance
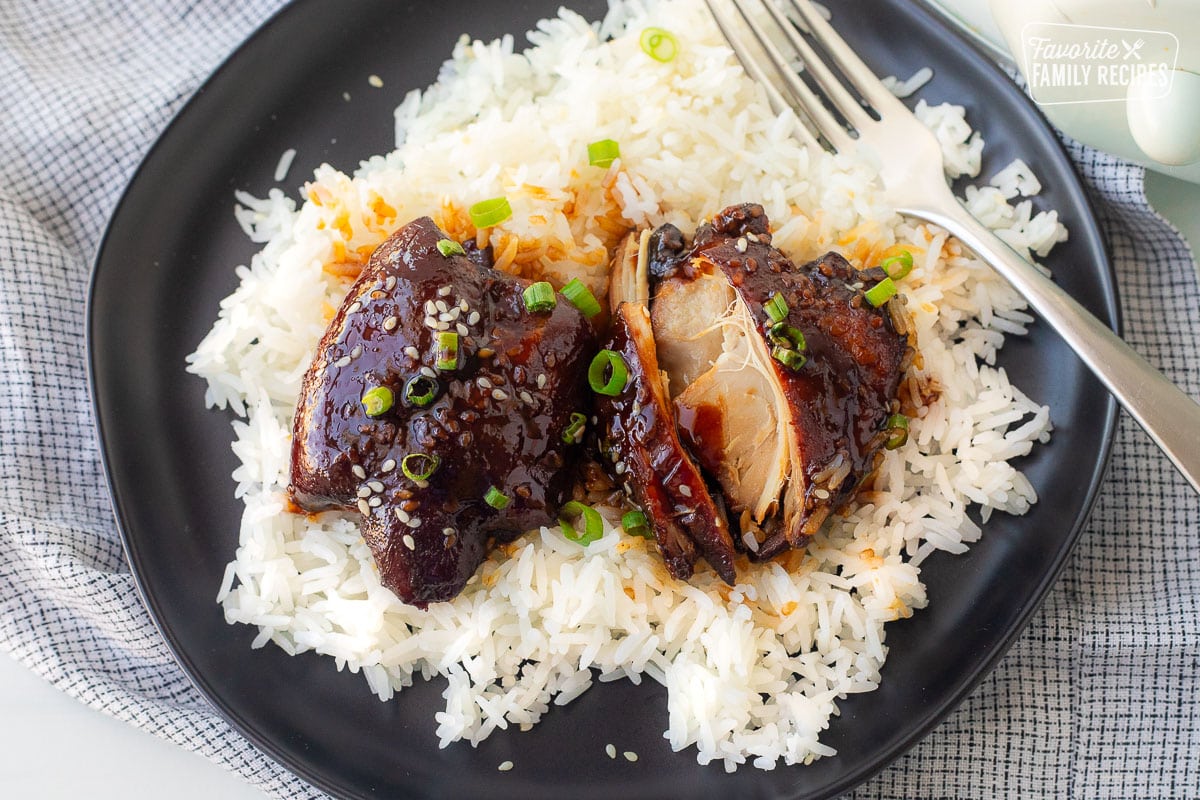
{"x":1098,"y":698}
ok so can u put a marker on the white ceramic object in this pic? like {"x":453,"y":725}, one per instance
{"x":1159,"y":130}
{"x":1166,"y":128}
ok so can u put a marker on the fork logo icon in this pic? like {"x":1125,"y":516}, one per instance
{"x":1133,"y":50}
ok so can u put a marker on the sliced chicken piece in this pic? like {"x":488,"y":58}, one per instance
{"x":641,"y":445}
{"x":688,"y":317}
{"x":729,"y":418}
{"x":629,"y":280}
{"x":828,"y":414}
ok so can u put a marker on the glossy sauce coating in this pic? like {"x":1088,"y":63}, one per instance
{"x":841,"y":398}
{"x":496,"y":420}
{"x":641,"y":447}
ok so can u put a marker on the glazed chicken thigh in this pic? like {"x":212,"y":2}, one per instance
{"x":436,"y":406}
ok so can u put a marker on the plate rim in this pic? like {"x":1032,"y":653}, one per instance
{"x":1110,"y":291}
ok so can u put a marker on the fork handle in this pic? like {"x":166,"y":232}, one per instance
{"x":1162,"y":409}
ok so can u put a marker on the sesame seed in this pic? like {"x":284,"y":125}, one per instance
{"x":443,"y":291}
{"x":505,"y":766}
{"x":375,"y":81}
{"x":630,"y":755}
{"x":374,"y":502}
{"x":421,"y":484}
{"x":415,"y":522}
{"x":499,"y":394}
{"x":462,"y":329}
{"x":431,"y":322}
{"x":526,"y":397}
{"x":454,"y":312}
{"x":401,"y":514}
{"x":741,"y":244}
{"x":483,"y":382}
{"x":356,"y":352}
{"x":448,"y":531}
{"x":358,"y":471}
{"x":620,"y":468}
{"x":441,"y":306}
{"x":443,"y":326}
{"x":344,"y":361}
{"x":473,"y":318}
{"x":428,"y":372}
{"x":375,"y":486}
{"x":412,"y":352}
{"x":390,"y":323}
{"x":363,"y":507}
{"x":410,"y":542}
{"x":541,"y":381}
{"x":685,"y":490}
{"x":388,"y":465}
{"x":430,"y":308}
{"x":354,"y":307}
{"x":612,"y":751}
{"x":464,"y":306}
{"x":445,"y":317}
{"x":364,"y":491}
{"x":752,"y":236}
{"x":821,"y":494}
{"x":390,"y":284}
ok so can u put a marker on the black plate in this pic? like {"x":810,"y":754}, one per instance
{"x":168,"y":258}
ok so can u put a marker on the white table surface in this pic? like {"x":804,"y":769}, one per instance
{"x":111,"y":760}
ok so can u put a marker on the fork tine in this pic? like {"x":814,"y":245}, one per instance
{"x":776,"y":100}
{"x":864,"y":80}
{"x":846,"y":103}
{"x":826,"y":123}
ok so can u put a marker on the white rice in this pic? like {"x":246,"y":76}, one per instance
{"x":285,"y":164}
{"x":753,"y":674}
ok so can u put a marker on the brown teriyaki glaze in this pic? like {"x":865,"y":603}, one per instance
{"x":640,"y":446}
{"x":495,"y":421}
{"x":840,"y":399}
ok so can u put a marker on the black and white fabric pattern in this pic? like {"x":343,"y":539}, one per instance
{"x":1098,"y":698}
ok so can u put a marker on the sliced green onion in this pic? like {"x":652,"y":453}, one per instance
{"x":881,"y":292}
{"x":776,"y":308}
{"x":420,"y":390}
{"x":659,"y":44}
{"x":581,"y":297}
{"x":791,"y":359}
{"x":593,"y":525}
{"x":786,"y":336}
{"x":378,"y":401}
{"x":603,"y":152}
{"x":447,"y":351}
{"x":539,"y":297}
{"x":897,"y":428}
{"x":573,"y":434}
{"x":487,"y":213}
{"x":608,"y":362}
{"x":419,"y":466}
{"x":496,"y":498}
{"x":897,"y":266}
{"x":449,"y":247}
{"x":635,"y":524}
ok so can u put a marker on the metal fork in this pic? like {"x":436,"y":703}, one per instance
{"x":916,"y":186}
